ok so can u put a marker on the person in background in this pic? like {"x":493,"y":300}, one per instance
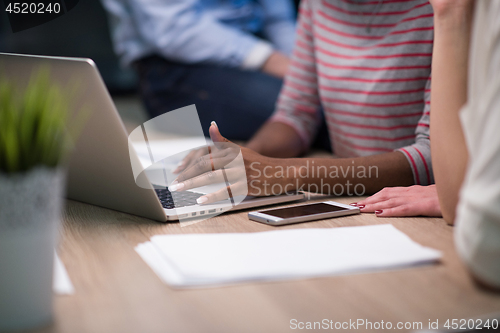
{"x":228,"y":56}
{"x":367,"y":65}
{"x":466,"y":140}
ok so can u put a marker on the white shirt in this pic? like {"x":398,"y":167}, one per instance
{"x":477,"y":232}
{"x":219,"y":32}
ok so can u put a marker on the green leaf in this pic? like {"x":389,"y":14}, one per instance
{"x":34,"y":123}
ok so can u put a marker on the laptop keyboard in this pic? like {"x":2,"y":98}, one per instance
{"x":171,"y":200}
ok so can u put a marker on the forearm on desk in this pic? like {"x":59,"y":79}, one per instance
{"x":448,"y":95}
{"x":344,"y":176}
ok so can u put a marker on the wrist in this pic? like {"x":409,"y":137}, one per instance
{"x":295,"y":173}
{"x":279,"y":175}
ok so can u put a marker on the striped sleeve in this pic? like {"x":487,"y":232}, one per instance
{"x":298,"y":103}
{"x":419,"y":153}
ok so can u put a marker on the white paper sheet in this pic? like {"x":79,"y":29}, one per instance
{"x":219,"y":259}
{"x":61,"y":283}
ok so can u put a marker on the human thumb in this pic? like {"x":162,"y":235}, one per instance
{"x":215,"y":134}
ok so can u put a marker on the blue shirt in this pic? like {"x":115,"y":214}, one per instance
{"x":202,"y":31}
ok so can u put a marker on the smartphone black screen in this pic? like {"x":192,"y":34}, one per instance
{"x":303,"y":210}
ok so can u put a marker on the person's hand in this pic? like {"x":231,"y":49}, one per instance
{"x":190,"y":159}
{"x":222,"y":165}
{"x":402,"y":201}
{"x":276,"y":65}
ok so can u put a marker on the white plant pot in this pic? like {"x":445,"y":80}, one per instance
{"x":30,"y":208}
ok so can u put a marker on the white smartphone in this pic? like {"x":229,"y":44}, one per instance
{"x":303,"y":213}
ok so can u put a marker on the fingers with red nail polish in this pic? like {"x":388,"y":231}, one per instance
{"x":402,"y":201}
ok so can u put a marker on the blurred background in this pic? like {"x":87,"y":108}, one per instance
{"x":82,"y":32}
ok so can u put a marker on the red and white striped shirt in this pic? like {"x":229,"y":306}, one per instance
{"x":367,"y":64}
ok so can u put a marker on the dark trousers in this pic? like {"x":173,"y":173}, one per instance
{"x":239,"y":101}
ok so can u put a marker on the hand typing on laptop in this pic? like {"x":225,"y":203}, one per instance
{"x":240,"y":168}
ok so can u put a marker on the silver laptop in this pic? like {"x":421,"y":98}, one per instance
{"x":100,"y":171}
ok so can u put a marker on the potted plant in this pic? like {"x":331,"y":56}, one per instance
{"x":34,"y":143}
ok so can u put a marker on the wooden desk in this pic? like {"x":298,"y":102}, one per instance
{"x":117,"y":292}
